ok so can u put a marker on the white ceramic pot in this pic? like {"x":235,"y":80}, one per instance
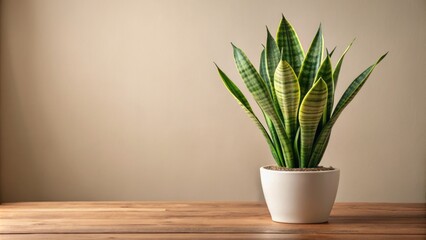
{"x":299,"y":196}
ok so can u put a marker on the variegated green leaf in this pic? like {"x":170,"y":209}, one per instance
{"x":263,"y":71}
{"x":289,"y":45}
{"x":272,"y":56}
{"x":339,"y":64}
{"x":254,"y":82}
{"x":264,"y":74}
{"x":354,"y":88}
{"x":272,"y":130}
{"x":288,"y":96}
{"x":320,"y":146}
{"x":310,"y":114}
{"x":275,"y":139}
{"x":311,"y":64}
{"x":241,"y":99}
{"x":326,"y":73}
{"x":258,"y":89}
{"x":350,"y":93}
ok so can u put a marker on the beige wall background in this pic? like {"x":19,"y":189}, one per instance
{"x":120,"y":100}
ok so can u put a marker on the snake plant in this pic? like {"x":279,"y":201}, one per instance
{"x":295,"y":92}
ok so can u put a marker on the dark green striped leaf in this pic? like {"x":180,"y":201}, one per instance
{"x":275,"y":139}
{"x":266,"y":65}
{"x":354,"y":88}
{"x":310,"y":113}
{"x":288,"y":96}
{"x":350,"y":93}
{"x":272,"y":130}
{"x":254,"y":82}
{"x":339,"y":64}
{"x":241,"y":99}
{"x":272,"y":59}
{"x":272,"y":56}
{"x":311,"y":64}
{"x":258,"y":89}
{"x":289,"y":44}
{"x":326,"y":73}
{"x":263,"y":71}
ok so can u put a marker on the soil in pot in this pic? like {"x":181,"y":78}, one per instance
{"x":319,"y":168}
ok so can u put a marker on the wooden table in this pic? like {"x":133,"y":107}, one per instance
{"x":202,"y":220}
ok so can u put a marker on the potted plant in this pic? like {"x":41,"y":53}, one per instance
{"x":295,"y":92}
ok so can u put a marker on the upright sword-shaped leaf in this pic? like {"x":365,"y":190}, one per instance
{"x":339,"y":64}
{"x":311,"y":64}
{"x":310,"y":113}
{"x":264,"y":72}
{"x":288,"y":96}
{"x":272,"y":129}
{"x":326,"y":73}
{"x":289,"y":45}
{"x":258,"y":89}
{"x":272,"y":59}
{"x":350,"y":93}
{"x":272,"y":56}
{"x":241,"y":99}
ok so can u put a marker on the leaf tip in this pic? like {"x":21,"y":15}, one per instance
{"x":218,"y":69}
{"x":283,"y":19}
{"x":382,"y":57}
{"x":319,"y":31}
{"x":268,"y":32}
{"x":234,"y":48}
{"x":322,"y":83}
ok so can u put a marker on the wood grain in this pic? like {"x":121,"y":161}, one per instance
{"x":203,"y":220}
{"x":210,"y":236}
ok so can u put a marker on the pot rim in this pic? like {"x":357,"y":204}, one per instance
{"x":298,"y":172}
